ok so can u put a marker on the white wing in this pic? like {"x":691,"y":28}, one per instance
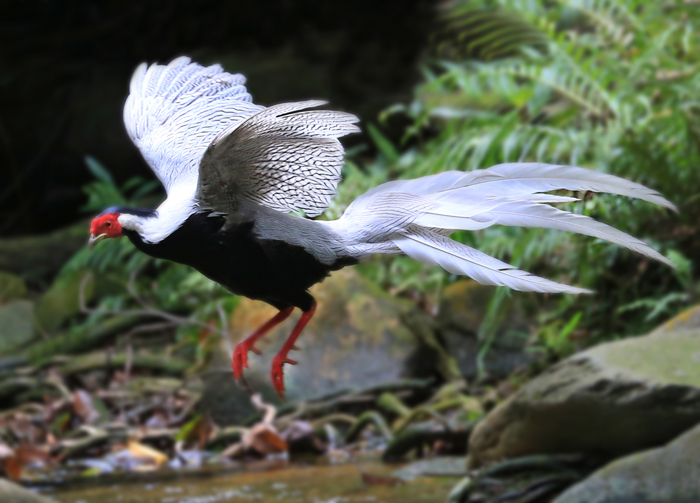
{"x":174,"y":112}
{"x":285,"y":157}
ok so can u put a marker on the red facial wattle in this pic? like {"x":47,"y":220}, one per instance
{"x":104,"y":226}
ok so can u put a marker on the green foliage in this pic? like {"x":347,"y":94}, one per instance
{"x":611,"y":85}
{"x":104,"y":192}
{"x":127,"y":281}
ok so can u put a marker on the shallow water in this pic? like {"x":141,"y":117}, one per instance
{"x":293,"y":484}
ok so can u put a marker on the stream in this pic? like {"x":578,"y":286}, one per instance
{"x":264,"y":482}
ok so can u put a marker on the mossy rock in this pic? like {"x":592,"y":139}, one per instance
{"x":11,"y":287}
{"x":356,"y":339}
{"x":669,"y":474}
{"x":463,"y":307}
{"x":37,"y":259}
{"x":62,"y":300}
{"x":14,"y":493}
{"x":16,"y":326}
{"x":613,"y":399}
{"x":688,"y":319}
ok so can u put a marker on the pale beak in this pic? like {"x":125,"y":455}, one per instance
{"x":95,"y":239}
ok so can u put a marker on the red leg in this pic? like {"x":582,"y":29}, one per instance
{"x":281,"y":358}
{"x":240,"y":354}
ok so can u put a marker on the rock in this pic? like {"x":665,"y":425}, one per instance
{"x":356,"y":339}
{"x":61,"y":300}
{"x":11,"y":287}
{"x":38,"y":258}
{"x":669,"y":474}
{"x":463,"y":308}
{"x":442,"y":466}
{"x":688,"y":319}
{"x":16,"y":326}
{"x":612,"y":400}
{"x":13,"y":493}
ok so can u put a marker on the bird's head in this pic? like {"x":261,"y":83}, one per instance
{"x":105,"y":225}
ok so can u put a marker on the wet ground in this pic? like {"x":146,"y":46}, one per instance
{"x":270,"y":482}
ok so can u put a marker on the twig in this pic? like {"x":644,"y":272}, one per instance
{"x":269,"y":409}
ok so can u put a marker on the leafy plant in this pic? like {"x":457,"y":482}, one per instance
{"x":611,"y":85}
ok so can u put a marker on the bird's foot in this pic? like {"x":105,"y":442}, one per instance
{"x":278,"y":372}
{"x":240,"y":357}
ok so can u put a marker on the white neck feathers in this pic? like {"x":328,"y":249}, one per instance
{"x":169,"y":217}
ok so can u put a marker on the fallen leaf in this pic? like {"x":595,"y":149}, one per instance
{"x":139,"y":450}
{"x":22,"y":456}
{"x":264,"y":440}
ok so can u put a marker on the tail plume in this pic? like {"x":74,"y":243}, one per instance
{"x":415,"y":217}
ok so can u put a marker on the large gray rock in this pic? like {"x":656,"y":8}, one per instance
{"x":11,"y":287}
{"x":16,"y":326}
{"x":13,"y":493}
{"x":62,"y":299}
{"x":669,"y":474}
{"x":356,"y":339}
{"x":463,"y":307}
{"x":614,"y":399}
{"x":687,"y":320}
{"x":37,"y":259}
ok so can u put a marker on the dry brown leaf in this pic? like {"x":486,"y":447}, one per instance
{"x":22,"y":456}
{"x":139,"y":450}
{"x":264,"y":440}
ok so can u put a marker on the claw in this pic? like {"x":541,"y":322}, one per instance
{"x":240,"y":358}
{"x":278,"y":372}
{"x":281,"y":357}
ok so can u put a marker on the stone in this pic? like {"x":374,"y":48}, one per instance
{"x":16,"y":326}
{"x":688,"y":319}
{"x":11,"y":287}
{"x":355,"y":340}
{"x":61,"y":300}
{"x":37,"y":259}
{"x":463,"y":308}
{"x":13,"y":493}
{"x":612,"y":400}
{"x":669,"y":474}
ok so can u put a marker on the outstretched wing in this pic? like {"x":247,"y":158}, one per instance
{"x":285,"y":157}
{"x":174,"y":112}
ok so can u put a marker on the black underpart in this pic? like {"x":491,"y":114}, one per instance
{"x":273,"y":271}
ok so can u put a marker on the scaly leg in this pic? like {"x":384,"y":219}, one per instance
{"x":240,"y":354}
{"x":281,"y":358}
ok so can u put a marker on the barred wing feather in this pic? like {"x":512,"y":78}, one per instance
{"x":285,"y":157}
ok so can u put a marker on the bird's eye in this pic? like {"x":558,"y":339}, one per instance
{"x":108,"y":224}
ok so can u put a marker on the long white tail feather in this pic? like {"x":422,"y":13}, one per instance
{"x":513,"y":179}
{"x":415,"y":216}
{"x":432,"y":248}
{"x":544,"y":216}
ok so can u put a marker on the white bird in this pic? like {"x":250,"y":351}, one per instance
{"x":234,"y":171}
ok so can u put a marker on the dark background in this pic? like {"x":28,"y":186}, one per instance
{"x":66,"y":68}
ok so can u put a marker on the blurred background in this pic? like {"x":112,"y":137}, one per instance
{"x":112,"y":362}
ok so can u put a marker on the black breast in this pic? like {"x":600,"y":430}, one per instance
{"x":230,"y":254}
